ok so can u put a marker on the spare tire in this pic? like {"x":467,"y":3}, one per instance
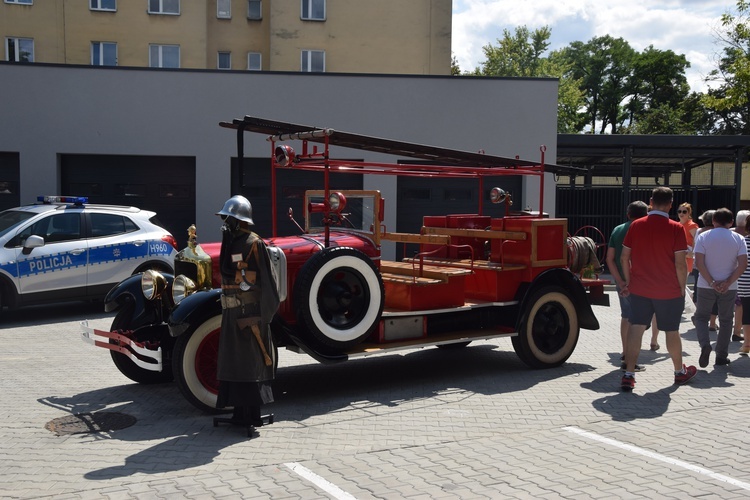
{"x":338,"y":297}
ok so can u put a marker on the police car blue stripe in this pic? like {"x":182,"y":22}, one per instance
{"x":10,"y":268}
{"x":116,"y":252}
{"x":51,"y":263}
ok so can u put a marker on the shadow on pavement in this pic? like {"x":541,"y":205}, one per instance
{"x":187,"y":438}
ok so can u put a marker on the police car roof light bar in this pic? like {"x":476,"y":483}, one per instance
{"x":78,"y":200}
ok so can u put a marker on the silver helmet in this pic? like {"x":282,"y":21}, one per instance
{"x":238,"y":207}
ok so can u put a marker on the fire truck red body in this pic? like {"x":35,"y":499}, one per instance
{"x":472,"y":277}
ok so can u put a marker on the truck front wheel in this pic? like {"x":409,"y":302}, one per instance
{"x":194,"y":364}
{"x":339,"y":297}
{"x":548,"y":331}
{"x":123,"y":321}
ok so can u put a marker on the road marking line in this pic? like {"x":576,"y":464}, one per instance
{"x":318,"y":481}
{"x":659,"y":456}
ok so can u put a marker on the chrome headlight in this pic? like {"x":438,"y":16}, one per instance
{"x":181,"y":288}
{"x":153,"y":284}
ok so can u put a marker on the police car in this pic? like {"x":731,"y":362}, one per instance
{"x":63,"y":248}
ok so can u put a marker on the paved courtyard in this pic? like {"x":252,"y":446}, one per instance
{"x":426,"y":423}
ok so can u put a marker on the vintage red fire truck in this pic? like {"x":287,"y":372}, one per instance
{"x":474,"y":276}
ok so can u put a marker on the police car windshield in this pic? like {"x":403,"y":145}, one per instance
{"x":12,"y":218}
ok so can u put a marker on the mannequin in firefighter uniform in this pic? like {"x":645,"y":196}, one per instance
{"x":249,"y":299}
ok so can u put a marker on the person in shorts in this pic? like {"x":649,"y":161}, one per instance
{"x":635,"y":210}
{"x":655,"y":270}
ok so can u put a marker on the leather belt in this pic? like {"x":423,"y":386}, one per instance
{"x":238,"y":300}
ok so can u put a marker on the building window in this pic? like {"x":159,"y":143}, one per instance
{"x":103,"y":54}
{"x":110,"y":5}
{"x":164,"y":6}
{"x":164,"y":56}
{"x":314,"y":10}
{"x":254,"y":61}
{"x":313,"y":61}
{"x":254,"y":10}
{"x":224,"y":9}
{"x":20,"y":2}
{"x":224,"y":61}
{"x":19,"y":49}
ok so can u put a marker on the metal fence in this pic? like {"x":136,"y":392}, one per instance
{"x":603,"y":207}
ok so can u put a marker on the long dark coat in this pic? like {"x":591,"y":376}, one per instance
{"x":242,"y":369}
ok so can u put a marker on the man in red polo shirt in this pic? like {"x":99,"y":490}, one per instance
{"x":655,"y":272}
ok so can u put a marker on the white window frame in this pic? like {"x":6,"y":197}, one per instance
{"x":20,"y":2}
{"x":97,"y":51}
{"x":260,"y":61}
{"x":16,"y":40}
{"x":97,"y":5}
{"x":224,"y":9}
{"x":308,"y":5}
{"x":161,"y":10}
{"x":306,"y":59}
{"x":218,"y":59}
{"x":251,"y":17}
{"x":160,"y":62}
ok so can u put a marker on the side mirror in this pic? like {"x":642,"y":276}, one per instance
{"x":33,"y":241}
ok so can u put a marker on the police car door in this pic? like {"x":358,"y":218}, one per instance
{"x":60,"y":263}
{"x":116,"y":248}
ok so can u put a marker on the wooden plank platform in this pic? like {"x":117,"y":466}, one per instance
{"x":467,"y":264}
{"x":476,"y":233}
{"x":410,"y":280}
{"x":428,"y":271}
{"x":433,"y":239}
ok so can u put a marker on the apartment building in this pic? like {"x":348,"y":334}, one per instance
{"x":341,"y":36}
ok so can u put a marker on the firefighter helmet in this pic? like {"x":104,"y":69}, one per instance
{"x":238,"y":207}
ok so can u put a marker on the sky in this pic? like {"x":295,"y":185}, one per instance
{"x":686,"y":27}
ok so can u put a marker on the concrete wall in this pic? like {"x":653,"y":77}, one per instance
{"x":49,"y":110}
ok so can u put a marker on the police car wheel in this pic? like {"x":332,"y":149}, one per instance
{"x":548,"y":331}
{"x":132,"y":371}
{"x":194,"y":364}
{"x":339,"y":297}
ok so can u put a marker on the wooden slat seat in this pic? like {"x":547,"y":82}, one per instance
{"x":466,"y":264}
{"x":433,"y":239}
{"x":427,"y":271}
{"x":475,"y":233}
{"x":410,"y":280}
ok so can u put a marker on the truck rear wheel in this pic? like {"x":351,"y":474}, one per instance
{"x":123,"y":363}
{"x":548,"y":331}
{"x":194,"y":364}
{"x":339,"y":297}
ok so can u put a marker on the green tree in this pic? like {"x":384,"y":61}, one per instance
{"x":455,"y":69}
{"x":604,"y":66}
{"x":730,"y":100}
{"x":521,"y":54}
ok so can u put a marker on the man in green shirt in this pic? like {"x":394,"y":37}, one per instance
{"x":635,"y":210}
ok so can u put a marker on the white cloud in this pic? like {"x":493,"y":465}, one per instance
{"x":683,"y":26}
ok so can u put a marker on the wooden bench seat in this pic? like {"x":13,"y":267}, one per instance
{"x":428,"y":271}
{"x":410,"y":280}
{"x":474,"y":233}
{"x":466,"y":264}
{"x":422,"y":239}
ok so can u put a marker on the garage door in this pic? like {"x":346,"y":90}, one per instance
{"x":290,"y":192}
{"x":163,"y":184}
{"x":9,"y":176}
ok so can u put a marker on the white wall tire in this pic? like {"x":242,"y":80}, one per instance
{"x":549,"y":329}
{"x":194,"y":364}
{"x":339,"y":297}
